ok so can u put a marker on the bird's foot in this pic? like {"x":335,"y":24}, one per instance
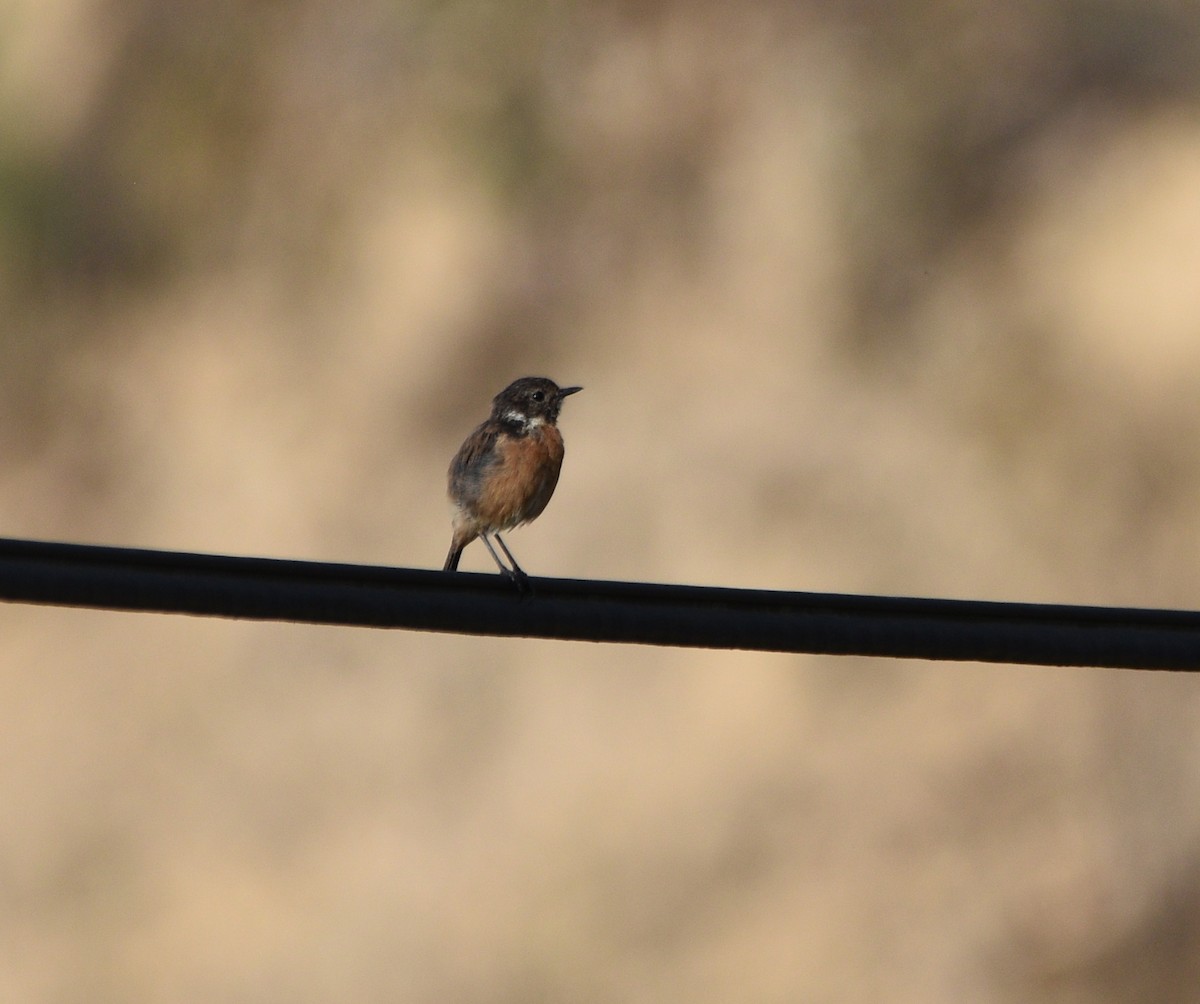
{"x":521,"y":581}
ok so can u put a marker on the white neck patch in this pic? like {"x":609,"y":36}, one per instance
{"x":524,"y":421}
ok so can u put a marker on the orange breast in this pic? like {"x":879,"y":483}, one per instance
{"x":520,"y":485}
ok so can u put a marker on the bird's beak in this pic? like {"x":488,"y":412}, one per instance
{"x":564,"y":391}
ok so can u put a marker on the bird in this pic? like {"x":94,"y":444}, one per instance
{"x":506,"y":470}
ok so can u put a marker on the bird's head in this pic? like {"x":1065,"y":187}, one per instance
{"x":530,"y":401}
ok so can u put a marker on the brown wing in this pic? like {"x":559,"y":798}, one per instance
{"x":474,"y":459}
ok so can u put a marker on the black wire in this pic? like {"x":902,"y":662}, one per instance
{"x":374,"y":596}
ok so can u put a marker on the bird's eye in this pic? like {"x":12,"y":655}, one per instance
{"x":538,"y":395}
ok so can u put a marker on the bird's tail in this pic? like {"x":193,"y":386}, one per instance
{"x":456,"y":550}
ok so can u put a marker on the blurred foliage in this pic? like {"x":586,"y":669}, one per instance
{"x":227,"y":136}
{"x":961,"y":93}
{"x":199,"y":105}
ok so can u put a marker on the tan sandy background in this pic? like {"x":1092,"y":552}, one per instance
{"x":896,"y":298}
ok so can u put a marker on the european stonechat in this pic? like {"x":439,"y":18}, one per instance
{"x":505,"y":472}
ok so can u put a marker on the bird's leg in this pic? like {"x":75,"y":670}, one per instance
{"x":519,"y":576}
{"x":504,"y":569}
{"x":508,"y":554}
{"x":515,"y":575}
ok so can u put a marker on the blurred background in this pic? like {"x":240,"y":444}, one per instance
{"x":897,"y":299}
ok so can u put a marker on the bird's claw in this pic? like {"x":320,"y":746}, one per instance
{"x":520,"y":580}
